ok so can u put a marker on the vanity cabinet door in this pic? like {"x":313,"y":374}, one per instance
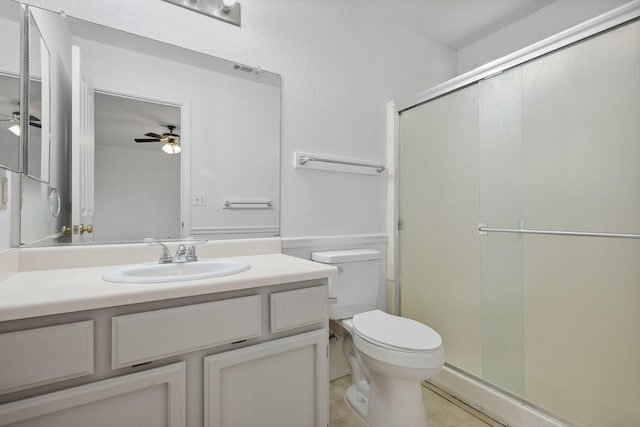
{"x":153,"y":398}
{"x":278,"y":383}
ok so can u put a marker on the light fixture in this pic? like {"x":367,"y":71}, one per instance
{"x":14,"y":119}
{"x":171,"y":148}
{"x":227,"y":5}
{"x":15,"y":129}
{"x":224,"y":10}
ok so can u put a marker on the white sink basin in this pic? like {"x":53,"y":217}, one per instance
{"x":175,"y":272}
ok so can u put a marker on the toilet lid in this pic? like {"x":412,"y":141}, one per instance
{"x":395,"y":331}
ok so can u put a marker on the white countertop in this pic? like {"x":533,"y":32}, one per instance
{"x":45,"y":292}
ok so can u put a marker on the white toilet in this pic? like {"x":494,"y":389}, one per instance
{"x":389,"y":355}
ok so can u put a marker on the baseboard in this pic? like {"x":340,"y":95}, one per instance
{"x":491,"y":402}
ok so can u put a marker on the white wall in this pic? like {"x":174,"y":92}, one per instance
{"x":137,"y":194}
{"x":558,"y":16}
{"x":10,"y":32}
{"x":339,"y":66}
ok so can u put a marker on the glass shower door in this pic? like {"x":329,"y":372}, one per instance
{"x":581,"y":172}
{"x":439,"y":256}
{"x":551,"y":145}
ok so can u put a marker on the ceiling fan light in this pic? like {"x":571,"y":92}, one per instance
{"x":15,"y":129}
{"x":171,"y":148}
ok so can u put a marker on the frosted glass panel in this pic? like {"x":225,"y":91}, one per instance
{"x":501,"y":149}
{"x":582,"y":328}
{"x":581,"y":172}
{"x":440,"y":260}
{"x":500,"y":144}
{"x":581,"y":127}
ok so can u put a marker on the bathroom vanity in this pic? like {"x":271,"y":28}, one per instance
{"x":242,"y":350}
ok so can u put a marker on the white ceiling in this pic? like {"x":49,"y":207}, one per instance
{"x":455,"y":23}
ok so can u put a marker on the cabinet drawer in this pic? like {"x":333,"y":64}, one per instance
{"x":40,"y":356}
{"x":151,"y":398}
{"x":302,"y":307}
{"x":142,"y":337}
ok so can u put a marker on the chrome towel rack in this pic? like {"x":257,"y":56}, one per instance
{"x":339,"y":164}
{"x":303,"y":160}
{"x":484,"y":230}
{"x":247,"y":204}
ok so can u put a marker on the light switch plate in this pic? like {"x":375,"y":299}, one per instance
{"x":199,"y":199}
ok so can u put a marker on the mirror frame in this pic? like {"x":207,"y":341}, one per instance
{"x":45,"y":139}
{"x":24,"y":87}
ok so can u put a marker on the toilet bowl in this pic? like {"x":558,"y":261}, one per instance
{"x":387,"y":368}
{"x":388,"y":355}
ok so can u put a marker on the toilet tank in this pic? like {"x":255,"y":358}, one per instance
{"x":355,"y":288}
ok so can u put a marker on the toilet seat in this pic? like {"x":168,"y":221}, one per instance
{"x":396,"y":340}
{"x":395,"y":332}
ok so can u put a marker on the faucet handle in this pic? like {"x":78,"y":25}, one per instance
{"x":181,"y":254}
{"x":191,"y":255}
{"x":165,"y":255}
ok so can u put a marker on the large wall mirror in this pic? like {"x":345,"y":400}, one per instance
{"x":146,"y":139}
{"x":10,"y":86}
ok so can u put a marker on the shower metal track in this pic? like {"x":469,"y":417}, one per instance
{"x":484,"y":229}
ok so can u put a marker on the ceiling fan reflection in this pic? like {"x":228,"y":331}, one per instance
{"x":171,"y":140}
{"x":14,"y":119}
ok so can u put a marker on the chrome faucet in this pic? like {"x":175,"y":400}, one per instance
{"x":182,"y":254}
{"x":165,"y":255}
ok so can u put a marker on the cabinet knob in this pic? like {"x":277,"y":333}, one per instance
{"x":85,"y":228}
{"x":65,"y":229}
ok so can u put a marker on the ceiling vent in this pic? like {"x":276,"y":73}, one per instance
{"x":246,"y":69}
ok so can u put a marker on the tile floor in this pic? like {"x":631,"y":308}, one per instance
{"x":440,"y":411}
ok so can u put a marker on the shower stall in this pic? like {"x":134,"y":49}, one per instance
{"x":519,"y":194}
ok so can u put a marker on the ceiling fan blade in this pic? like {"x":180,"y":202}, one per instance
{"x":146,"y":140}
{"x":153,"y":135}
